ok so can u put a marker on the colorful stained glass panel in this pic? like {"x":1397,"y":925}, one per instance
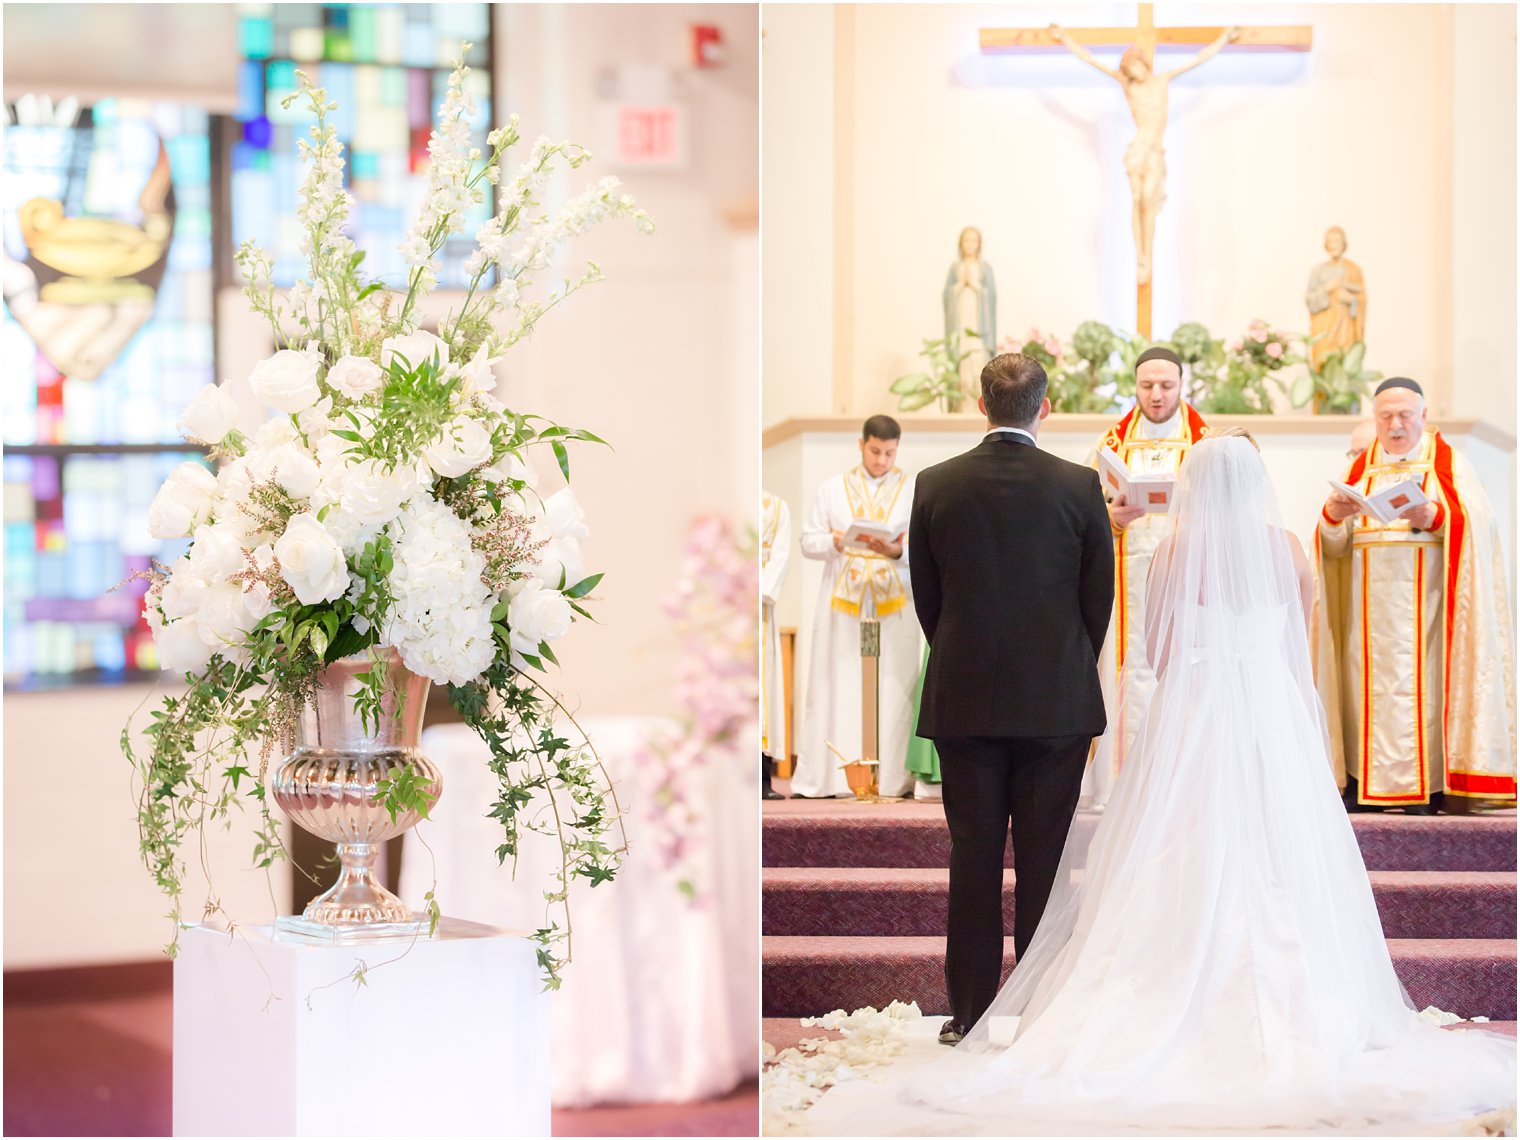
{"x":386,"y":66}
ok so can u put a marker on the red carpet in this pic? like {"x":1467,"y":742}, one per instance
{"x":855,"y":901}
{"x":87,"y":1053}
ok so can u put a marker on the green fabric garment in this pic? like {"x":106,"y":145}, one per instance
{"x":923,"y":760}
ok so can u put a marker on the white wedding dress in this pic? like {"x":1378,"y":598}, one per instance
{"x":1211,"y":956}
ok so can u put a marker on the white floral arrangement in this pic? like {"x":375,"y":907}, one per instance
{"x":387,"y":503}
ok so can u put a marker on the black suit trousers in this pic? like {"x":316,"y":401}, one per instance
{"x":994,"y":788}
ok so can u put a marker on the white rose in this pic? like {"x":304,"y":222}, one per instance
{"x":374,"y":495}
{"x":414,"y":348}
{"x":183,"y":502}
{"x":223,"y":618}
{"x":354,"y":376}
{"x":563,"y":513}
{"x":216,"y":553}
{"x":507,"y":467}
{"x":179,"y":645}
{"x":287,"y":381}
{"x":537,"y":614}
{"x":275,"y":431}
{"x":209,"y":416}
{"x":464,"y":445}
{"x":560,"y":562}
{"x":181,"y":597}
{"x":311,"y":561}
{"x":289,"y":464}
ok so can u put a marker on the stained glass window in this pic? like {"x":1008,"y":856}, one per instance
{"x":387,"y":67}
{"x":107,"y":332}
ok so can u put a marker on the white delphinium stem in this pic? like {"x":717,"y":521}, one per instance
{"x":322,"y":213}
{"x":452,"y":188}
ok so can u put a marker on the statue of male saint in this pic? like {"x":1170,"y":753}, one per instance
{"x":1145,"y":90}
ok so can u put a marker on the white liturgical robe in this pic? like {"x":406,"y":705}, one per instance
{"x":855,"y":588}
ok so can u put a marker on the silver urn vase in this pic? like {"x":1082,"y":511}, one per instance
{"x":328,"y":786}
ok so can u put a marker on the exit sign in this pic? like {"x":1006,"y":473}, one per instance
{"x":648,"y":135}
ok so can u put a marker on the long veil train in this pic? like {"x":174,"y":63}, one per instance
{"x":1211,"y":955}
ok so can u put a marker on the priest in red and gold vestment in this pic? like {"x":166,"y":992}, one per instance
{"x":1414,"y":660}
{"x":1153,"y":438}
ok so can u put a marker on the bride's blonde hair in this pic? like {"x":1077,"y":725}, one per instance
{"x":1236,"y":433}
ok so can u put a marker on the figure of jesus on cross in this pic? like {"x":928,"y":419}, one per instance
{"x":1145,"y":90}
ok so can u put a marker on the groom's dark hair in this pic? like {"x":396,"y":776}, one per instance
{"x":1013,"y":386}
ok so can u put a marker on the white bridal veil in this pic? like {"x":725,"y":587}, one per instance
{"x":1211,"y":955}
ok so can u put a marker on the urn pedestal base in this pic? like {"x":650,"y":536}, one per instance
{"x":449,"y":1037}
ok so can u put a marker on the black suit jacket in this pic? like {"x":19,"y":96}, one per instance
{"x":1013,"y":580}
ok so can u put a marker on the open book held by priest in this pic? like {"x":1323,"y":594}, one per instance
{"x":1389,"y":503}
{"x":1152,"y":490}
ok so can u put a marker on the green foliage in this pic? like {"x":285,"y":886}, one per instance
{"x":543,"y":784}
{"x":942,"y":380}
{"x":406,"y":790}
{"x":1340,"y":384}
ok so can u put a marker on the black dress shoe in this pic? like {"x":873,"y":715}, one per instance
{"x":951,"y":1033}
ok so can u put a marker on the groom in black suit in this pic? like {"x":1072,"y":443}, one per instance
{"x":1013,"y":580}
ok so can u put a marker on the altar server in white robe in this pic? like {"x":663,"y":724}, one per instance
{"x":859,"y":587}
{"x":775,"y":555}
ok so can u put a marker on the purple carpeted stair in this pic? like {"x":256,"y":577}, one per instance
{"x":855,"y":899}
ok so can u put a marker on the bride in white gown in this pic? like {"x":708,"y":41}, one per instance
{"x":1212,"y":956}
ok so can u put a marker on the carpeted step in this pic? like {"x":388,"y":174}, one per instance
{"x":846,"y":833}
{"x":806,"y":976}
{"x":871,"y":902}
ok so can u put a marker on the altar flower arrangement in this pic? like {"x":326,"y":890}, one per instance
{"x":386,"y":507}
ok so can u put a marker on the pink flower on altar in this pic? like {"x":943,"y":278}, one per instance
{"x":1275,"y":350}
{"x":1034,"y":335}
{"x":1259,"y":333}
{"x":1258,"y":324}
{"x":1053,"y":346}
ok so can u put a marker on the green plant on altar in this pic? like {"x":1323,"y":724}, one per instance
{"x":1219,"y":381}
{"x":386,"y":504}
{"x":940,"y":381}
{"x":1339,"y":385}
{"x":1073,"y":384}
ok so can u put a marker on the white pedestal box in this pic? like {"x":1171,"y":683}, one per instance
{"x":449,"y":1037}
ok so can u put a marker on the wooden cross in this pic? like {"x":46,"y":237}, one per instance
{"x":1149,"y":38}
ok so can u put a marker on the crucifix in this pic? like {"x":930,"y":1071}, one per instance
{"x":1145,"y":90}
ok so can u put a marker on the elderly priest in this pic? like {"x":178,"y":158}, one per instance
{"x":1414,"y":660}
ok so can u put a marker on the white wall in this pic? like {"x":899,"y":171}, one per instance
{"x":75,"y":890}
{"x":1483,"y":203}
{"x":1399,"y":119}
{"x":659,"y":360}
{"x":798,"y":237}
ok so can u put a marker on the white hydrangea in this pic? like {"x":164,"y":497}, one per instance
{"x":440,"y":615}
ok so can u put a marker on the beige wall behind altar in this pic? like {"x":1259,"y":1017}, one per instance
{"x":660,"y":359}
{"x":886,"y":131}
